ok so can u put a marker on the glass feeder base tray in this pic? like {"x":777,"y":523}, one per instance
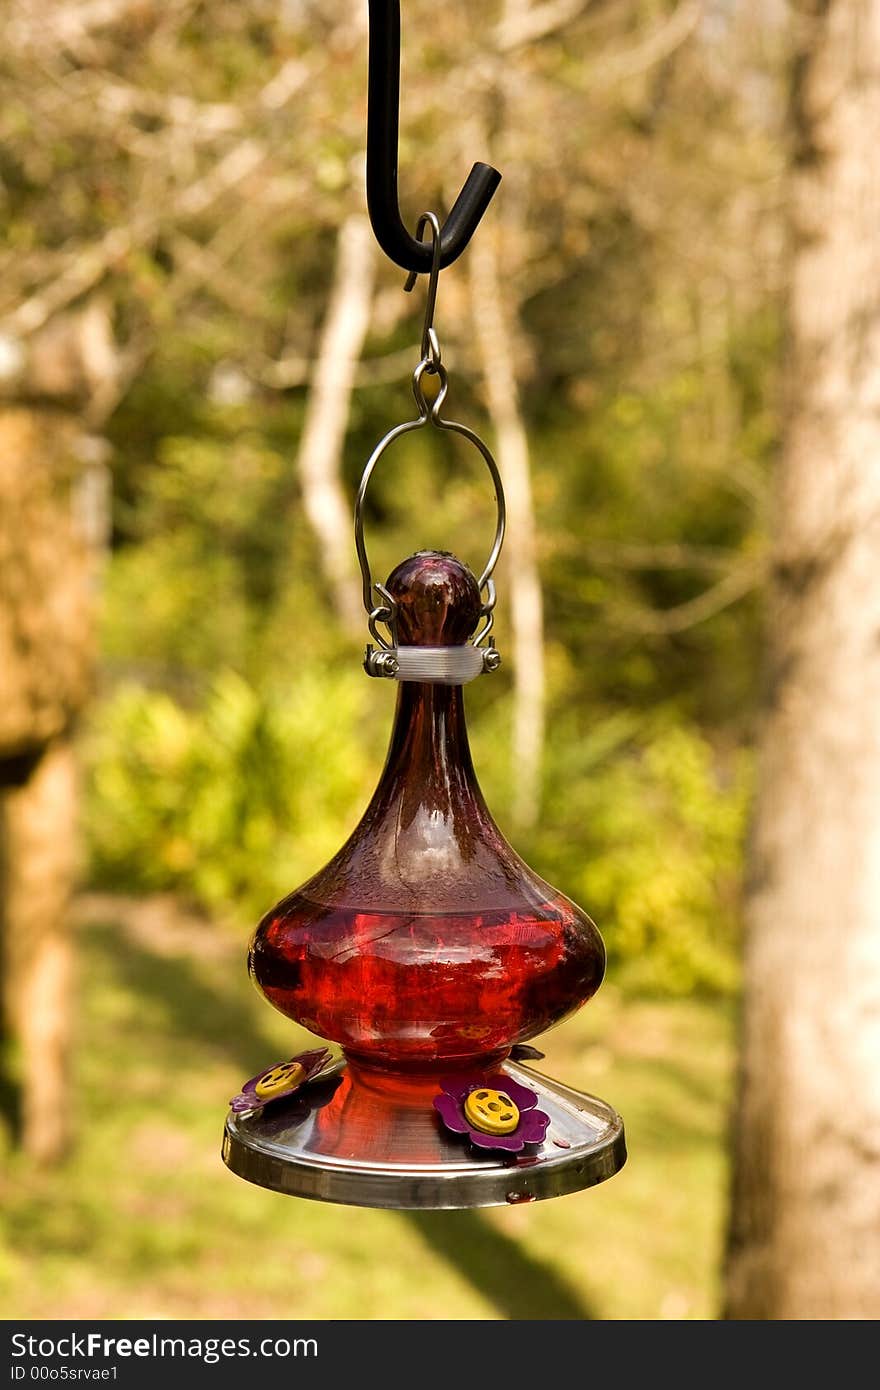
{"x":353,"y":1138}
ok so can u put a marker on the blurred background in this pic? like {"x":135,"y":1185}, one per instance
{"x":199,"y":346}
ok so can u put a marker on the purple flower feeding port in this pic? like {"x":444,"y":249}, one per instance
{"x":301,"y":1068}
{"x":450,"y":1106}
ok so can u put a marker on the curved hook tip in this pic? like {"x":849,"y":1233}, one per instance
{"x":382,"y":135}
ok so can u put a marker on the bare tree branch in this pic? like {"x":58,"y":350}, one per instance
{"x":197,"y":119}
{"x":740,"y":581}
{"x":320,"y":451}
{"x":492,"y":333}
{"x":86,"y":266}
{"x":673,"y":556}
{"x":526,"y":25}
{"x":201,"y":265}
{"x":388,"y":367}
{"x":658,"y":44}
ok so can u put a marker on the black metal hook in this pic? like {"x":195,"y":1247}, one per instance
{"x":383,"y":119}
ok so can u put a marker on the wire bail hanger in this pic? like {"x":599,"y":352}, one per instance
{"x":445,"y":665}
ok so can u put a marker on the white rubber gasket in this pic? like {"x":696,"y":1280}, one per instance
{"x":438,"y":665}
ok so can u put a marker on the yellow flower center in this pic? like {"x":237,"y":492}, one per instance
{"x":280,"y":1079}
{"x":491,"y":1112}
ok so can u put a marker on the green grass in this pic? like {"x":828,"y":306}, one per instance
{"x":143,"y":1220}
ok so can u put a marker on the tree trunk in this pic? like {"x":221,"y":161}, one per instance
{"x":320,"y":451}
{"x":51,"y":521}
{"x":46,"y":579}
{"x":493,"y":335}
{"x":805,"y":1229}
{"x":37,"y":862}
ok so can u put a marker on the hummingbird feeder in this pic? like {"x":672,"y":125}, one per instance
{"x":426,"y":950}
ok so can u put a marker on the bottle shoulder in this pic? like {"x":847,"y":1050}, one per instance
{"x":421,"y":859}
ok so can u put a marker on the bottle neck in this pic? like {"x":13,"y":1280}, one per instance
{"x":429,"y":758}
{"x":427,"y":842}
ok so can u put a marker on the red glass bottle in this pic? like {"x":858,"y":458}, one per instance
{"x":427,"y":944}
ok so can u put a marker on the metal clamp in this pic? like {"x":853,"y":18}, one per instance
{"x":379,"y":604}
{"x":432,"y":665}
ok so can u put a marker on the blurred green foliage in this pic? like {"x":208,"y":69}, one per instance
{"x":658,"y":858}
{"x":233,"y":802}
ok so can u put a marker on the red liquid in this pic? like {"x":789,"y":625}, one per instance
{"x":411,"y":990}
